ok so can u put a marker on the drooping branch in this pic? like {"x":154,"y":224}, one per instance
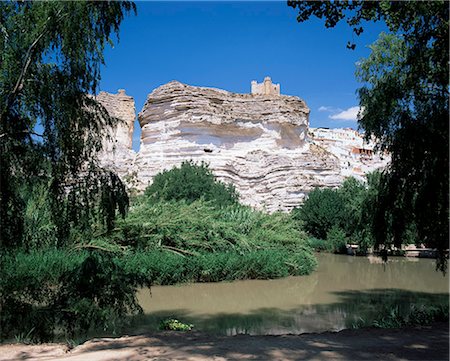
{"x":28,"y":58}
{"x":30,"y":132}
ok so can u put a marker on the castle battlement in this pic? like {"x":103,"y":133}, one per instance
{"x":266,"y":87}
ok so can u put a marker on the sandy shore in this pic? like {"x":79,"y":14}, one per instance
{"x":426,"y":343}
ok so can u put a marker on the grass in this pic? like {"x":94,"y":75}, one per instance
{"x":163,"y":267}
{"x":415,"y":315}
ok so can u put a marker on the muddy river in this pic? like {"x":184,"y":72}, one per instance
{"x":343,"y":291}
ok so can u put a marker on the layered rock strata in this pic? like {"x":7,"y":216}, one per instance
{"x":117,"y":153}
{"x":258,"y":142}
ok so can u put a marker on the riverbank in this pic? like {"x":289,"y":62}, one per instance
{"x":420,"y":343}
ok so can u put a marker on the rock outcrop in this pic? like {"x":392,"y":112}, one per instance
{"x":258,"y":142}
{"x":117,"y":153}
{"x":356,"y":156}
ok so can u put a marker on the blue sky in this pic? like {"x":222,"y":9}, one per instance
{"x":228,"y":44}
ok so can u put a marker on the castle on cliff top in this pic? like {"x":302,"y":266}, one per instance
{"x":265,"y":88}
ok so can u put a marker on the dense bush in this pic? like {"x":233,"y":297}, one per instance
{"x":323,"y":209}
{"x":346,"y":212}
{"x":165,"y":268}
{"x":318,"y":244}
{"x":190,"y":182}
{"x":201,"y":227}
{"x":336,"y":240}
{"x":92,"y":286}
{"x":396,"y":316}
{"x":69,"y":291}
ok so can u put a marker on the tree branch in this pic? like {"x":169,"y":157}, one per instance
{"x":24,"y":132}
{"x":28,"y":57}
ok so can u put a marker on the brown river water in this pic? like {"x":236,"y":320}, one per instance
{"x":343,"y":291}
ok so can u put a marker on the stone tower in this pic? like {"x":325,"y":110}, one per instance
{"x":265,"y":88}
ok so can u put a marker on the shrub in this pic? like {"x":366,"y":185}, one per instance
{"x":349,"y":208}
{"x":39,"y":228}
{"x":78,"y":291}
{"x":201,"y":227}
{"x":322,"y":210}
{"x":336,"y":240}
{"x":417,"y":315}
{"x":317,"y":244}
{"x":69,"y":291}
{"x":163,"y":267}
{"x":190,"y":182}
{"x":173,"y":324}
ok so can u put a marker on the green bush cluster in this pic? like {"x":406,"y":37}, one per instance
{"x":336,"y":240}
{"x":343,"y":215}
{"x":165,"y":268}
{"x":178,"y":241}
{"x":318,"y":244}
{"x":190,"y":182}
{"x":201,"y":227}
{"x":72,"y":291}
{"x":172,"y":324}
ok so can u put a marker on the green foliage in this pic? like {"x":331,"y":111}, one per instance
{"x":172,"y":324}
{"x":348,"y":209}
{"x":415,"y":189}
{"x":190,"y":182}
{"x":353,"y":193}
{"x":317,"y":244}
{"x":322,"y":210}
{"x":417,"y":315}
{"x":201,"y":227}
{"x":405,"y":105}
{"x":97,"y":294}
{"x":70,"y":291}
{"x":336,"y":240}
{"x":53,"y":194}
{"x":40,"y":225}
{"x":163,"y":267}
{"x":92,"y":286}
{"x":39,"y":228}
{"x":182,"y":241}
{"x":51,"y":53}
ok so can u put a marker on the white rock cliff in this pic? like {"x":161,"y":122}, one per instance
{"x":117,"y":153}
{"x":259,"y":142}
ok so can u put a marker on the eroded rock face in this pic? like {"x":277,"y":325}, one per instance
{"x":256,"y":142}
{"x":261,"y":143}
{"x":117,"y":152}
{"x":356,"y":156}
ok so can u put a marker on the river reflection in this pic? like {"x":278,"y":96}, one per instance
{"x":342,"y":290}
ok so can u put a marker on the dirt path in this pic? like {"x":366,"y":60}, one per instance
{"x":427,"y":343}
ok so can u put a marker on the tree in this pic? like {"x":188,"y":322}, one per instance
{"x":322,"y":210}
{"x":353,"y":193}
{"x":404,"y":98}
{"x":52,"y":190}
{"x":346,"y":211}
{"x":51,"y":53}
{"x":191,"y":182}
